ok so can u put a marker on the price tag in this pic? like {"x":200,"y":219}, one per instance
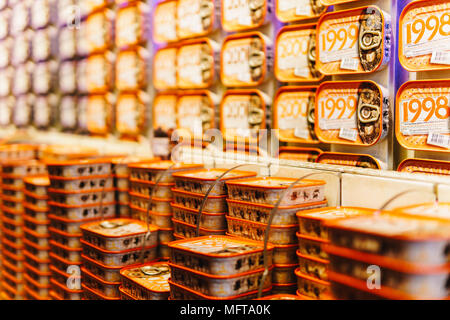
{"x":424,"y":42}
{"x":349,"y":63}
{"x":439,"y":140}
{"x":348,"y":134}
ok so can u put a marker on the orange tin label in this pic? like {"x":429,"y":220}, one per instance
{"x":423,"y":115}
{"x":99,"y":31}
{"x":98,"y":114}
{"x":195,"y":17}
{"x":164,"y":69}
{"x":424,"y":36}
{"x":131,"y":70}
{"x":296,"y":10}
{"x":131,"y":24}
{"x":195,"y":112}
{"x":99,"y":73}
{"x":351,"y":112}
{"x":239,"y":15}
{"x":295,"y":57}
{"x":353,"y":41}
{"x":195,"y":65}
{"x":434,"y":167}
{"x":349,"y":159}
{"x":245,"y":59}
{"x":130,"y":113}
{"x":294,"y":112}
{"x":242,"y":114}
{"x":164,"y":22}
{"x":164,"y":113}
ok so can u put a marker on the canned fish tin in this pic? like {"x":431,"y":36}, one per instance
{"x":194,"y":110}
{"x":81,"y":38}
{"x":6,"y":78}
{"x":278,"y":235}
{"x":132,"y":70}
{"x":365,"y":45}
{"x":299,"y":154}
{"x":96,"y":284}
{"x":187,"y":230}
{"x":99,"y":114}
{"x":5,"y":52}
{"x":199,"y":181}
{"x":99,"y":31}
{"x":212,"y":221}
{"x":131,"y":25}
{"x":219,"y":255}
{"x":131,"y":113}
{"x":295,"y":54}
{"x":99,"y":72}
{"x":313,"y":266}
{"x":243,"y":15}
{"x":267,"y":190}
{"x":434,"y":167}
{"x":71,"y":240}
{"x":81,"y":198}
{"x":294,"y":114}
{"x":5,"y":16}
{"x":423,"y":115}
{"x":399,"y":279}
{"x":23,"y":110}
{"x":106,"y":273}
{"x":67,"y":43}
{"x":43,"y":13}
{"x":197,"y":18}
{"x":20,"y":17}
{"x":243,"y":114}
{"x":81,"y":74}
{"x":246,"y":59}
{"x":164,"y":114}
{"x":424,"y":36}
{"x":67,"y":77}
{"x":293,"y":11}
{"x":415,"y":240}
{"x":260,"y":212}
{"x":284,"y":273}
{"x":362,"y":115}
{"x":148,"y":281}
{"x":214,"y":204}
{"x":218,"y":286}
{"x":349,"y":159}
{"x":438,"y":211}
{"x":196,"y":64}
{"x":164,"y":22}
{"x":154,"y":170}
{"x":22,"y":84}
{"x":118,"y":258}
{"x":81,"y":183}
{"x":164,"y":68}
{"x":43,"y":80}
{"x":119,"y":234}
{"x":44,"y":45}
{"x":313,"y":287}
{"x":21,"y":48}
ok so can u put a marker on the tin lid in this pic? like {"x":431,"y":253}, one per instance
{"x":274,"y":183}
{"x":35,"y":234}
{"x":297,"y":153}
{"x":439,"y":211}
{"x":117,"y":228}
{"x":393,"y":226}
{"x":194,"y":211}
{"x":332,"y":213}
{"x":152,"y":276}
{"x":219,"y":246}
{"x":164,"y":165}
{"x":37,"y":180}
{"x":425,"y":166}
{"x":123,"y":292}
{"x":213,"y":174}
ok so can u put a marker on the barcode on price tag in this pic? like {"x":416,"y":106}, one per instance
{"x":440,"y":57}
{"x":348,"y":134}
{"x":301,"y":133}
{"x":301,"y":72}
{"x":349,"y":63}
{"x":439,"y":140}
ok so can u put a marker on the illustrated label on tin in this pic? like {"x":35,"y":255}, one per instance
{"x":195,"y":65}
{"x":164,"y":69}
{"x":350,"y":113}
{"x":353,"y":41}
{"x":97,"y":114}
{"x":98,"y":73}
{"x":243,"y":61}
{"x":194,"y":17}
{"x":99,"y":33}
{"x":130,"y":114}
{"x":238,"y":15}
{"x":131,"y":25}
{"x":242,"y":114}
{"x":294,"y":115}
{"x":164,"y":114}
{"x":423,"y":120}
{"x":130,"y":70}
{"x":425,"y":36}
{"x":294,"y":10}
{"x":195,"y":113}
{"x":164,"y":22}
{"x":295,"y":55}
